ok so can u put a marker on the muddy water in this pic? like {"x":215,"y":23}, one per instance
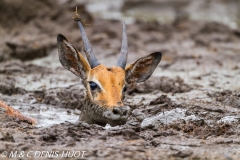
{"x":189,"y":108}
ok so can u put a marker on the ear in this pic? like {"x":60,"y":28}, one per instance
{"x":143,"y":68}
{"x":71,"y":59}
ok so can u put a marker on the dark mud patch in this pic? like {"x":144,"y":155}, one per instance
{"x":200,"y":129}
{"x":29,"y":49}
{"x":164,"y":84}
{"x":7,"y":87}
{"x":31,"y":33}
{"x":71,"y":97}
{"x":13,"y":122}
{"x":11,"y":71}
{"x":218,"y":32}
{"x":161,"y":100}
{"x":227,"y":97}
{"x":161,"y":104}
{"x":16,"y":67}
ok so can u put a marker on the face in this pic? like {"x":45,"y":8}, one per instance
{"x":105,"y":88}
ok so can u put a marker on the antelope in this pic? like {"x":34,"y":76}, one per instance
{"x":105,"y":87}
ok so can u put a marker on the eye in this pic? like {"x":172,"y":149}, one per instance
{"x":93,"y":86}
{"x":123,"y":93}
{"x":125,"y":89}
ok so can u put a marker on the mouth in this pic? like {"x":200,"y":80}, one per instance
{"x":114,"y":119}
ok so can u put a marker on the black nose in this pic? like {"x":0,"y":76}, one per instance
{"x":122,"y":111}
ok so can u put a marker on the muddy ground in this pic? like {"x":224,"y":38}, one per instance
{"x":188,"y":109}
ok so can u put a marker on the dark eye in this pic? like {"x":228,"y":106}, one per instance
{"x":125,"y":89}
{"x":93,"y":86}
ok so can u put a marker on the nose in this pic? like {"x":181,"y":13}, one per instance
{"x":117,"y":116}
{"x":121,"y":111}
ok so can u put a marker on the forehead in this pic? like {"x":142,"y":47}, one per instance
{"x":108,"y":75}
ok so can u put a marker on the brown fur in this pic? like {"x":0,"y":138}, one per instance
{"x":112,"y":81}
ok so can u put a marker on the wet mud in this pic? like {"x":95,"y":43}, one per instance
{"x":188,"y":109}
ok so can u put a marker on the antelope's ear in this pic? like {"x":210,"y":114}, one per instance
{"x":71,"y":59}
{"x":143,"y":68}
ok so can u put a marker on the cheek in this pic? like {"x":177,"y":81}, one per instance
{"x":99,"y":98}
{"x":96,"y":96}
{"x":93,"y":94}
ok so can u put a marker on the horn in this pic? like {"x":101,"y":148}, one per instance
{"x":93,"y":62}
{"x":122,"y":60}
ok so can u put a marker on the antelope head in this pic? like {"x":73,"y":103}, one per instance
{"x":105,"y":86}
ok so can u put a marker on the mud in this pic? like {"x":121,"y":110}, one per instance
{"x":188,"y":109}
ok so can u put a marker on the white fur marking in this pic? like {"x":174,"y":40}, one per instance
{"x":98,"y":83}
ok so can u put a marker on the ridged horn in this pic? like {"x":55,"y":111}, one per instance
{"x":122,"y":60}
{"x":92,"y":60}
